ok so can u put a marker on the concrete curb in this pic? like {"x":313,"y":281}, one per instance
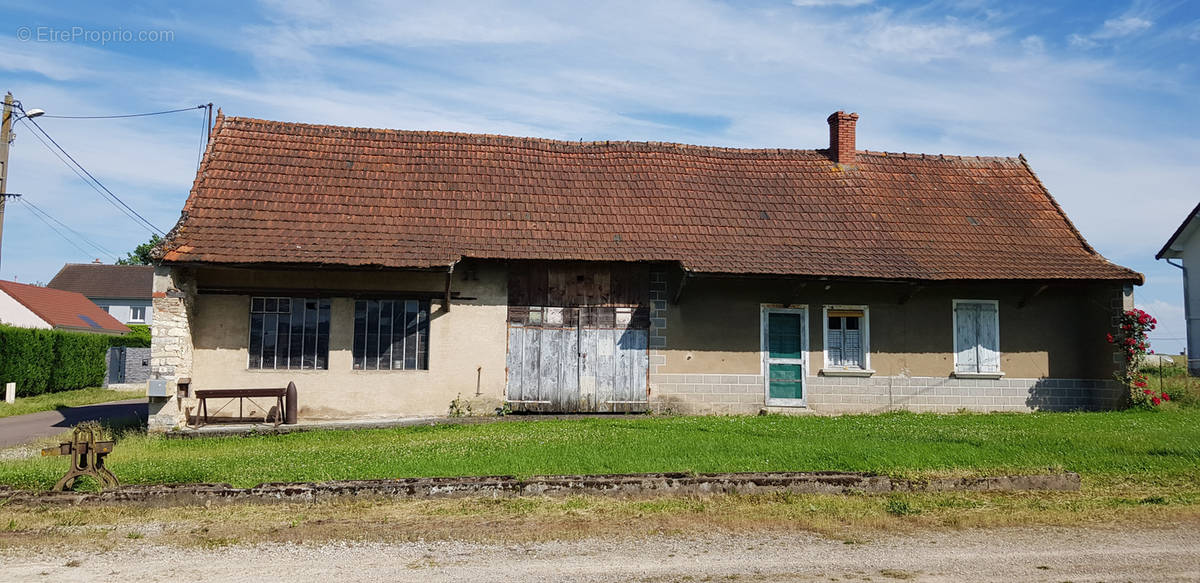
{"x":631,"y":485}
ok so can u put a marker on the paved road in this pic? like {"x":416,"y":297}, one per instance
{"x":25,"y":428}
{"x":1045,"y":555}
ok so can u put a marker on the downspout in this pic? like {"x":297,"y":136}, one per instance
{"x":449,"y":276}
{"x":1193,"y":351}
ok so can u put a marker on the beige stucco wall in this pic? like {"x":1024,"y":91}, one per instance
{"x":466,"y":345}
{"x":1059,"y":333}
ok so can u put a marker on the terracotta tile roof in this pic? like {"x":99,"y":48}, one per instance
{"x":63,"y":309}
{"x":97,"y":280}
{"x":274,"y":192}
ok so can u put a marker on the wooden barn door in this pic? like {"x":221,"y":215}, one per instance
{"x":589,"y":355}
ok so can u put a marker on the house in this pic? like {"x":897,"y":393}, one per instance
{"x":121,"y":290}
{"x":1184,"y":246}
{"x":31,"y":306}
{"x":389,"y":272}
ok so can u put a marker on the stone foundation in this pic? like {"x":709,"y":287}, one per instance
{"x":745,"y":394}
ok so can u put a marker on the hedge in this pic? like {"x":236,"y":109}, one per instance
{"x":138,"y":337}
{"x":43,"y":361}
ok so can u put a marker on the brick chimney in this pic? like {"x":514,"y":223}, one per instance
{"x":841,"y":136}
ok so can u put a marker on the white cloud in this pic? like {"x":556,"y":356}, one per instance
{"x":1123,"y":26}
{"x":1033,"y":45}
{"x":845,"y":3}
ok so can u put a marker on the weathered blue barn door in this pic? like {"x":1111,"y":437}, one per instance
{"x":578,"y":337}
{"x":563,"y":363}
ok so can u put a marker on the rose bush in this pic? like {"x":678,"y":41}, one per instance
{"x":1131,"y":339}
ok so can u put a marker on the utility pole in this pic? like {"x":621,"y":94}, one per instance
{"x":5,"y":138}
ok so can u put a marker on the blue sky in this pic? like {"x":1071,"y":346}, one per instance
{"x":1101,"y":97}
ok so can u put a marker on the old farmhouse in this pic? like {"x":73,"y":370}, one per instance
{"x":390,"y":272}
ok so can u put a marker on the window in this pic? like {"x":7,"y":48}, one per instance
{"x":977,"y":338}
{"x":137,"y":314}
{"x":289,"y":333}
{"x":846,"y":340}
{"x":391,"y":335}
{"x":107,"y":309}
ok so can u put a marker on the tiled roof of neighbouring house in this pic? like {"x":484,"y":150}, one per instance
{"x":97,"y":280}
{"x":63,"y":309}
{"x":275,"y":192}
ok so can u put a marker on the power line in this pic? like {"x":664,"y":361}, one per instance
{"x":102,"y":249}
{"x":85,"y":180}
{"x":60,"y":233}
{"x":144,"y":221}
{"x":47,"y":116}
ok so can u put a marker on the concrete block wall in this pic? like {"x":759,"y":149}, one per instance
{"x":745,"y":394}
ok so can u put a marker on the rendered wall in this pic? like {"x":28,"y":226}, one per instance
{"x":1053,"y":351}
{"x":466,"y":345}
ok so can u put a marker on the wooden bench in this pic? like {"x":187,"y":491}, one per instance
{"x":241,"y":394}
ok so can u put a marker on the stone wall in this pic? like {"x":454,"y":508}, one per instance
{"x":170,"y":343}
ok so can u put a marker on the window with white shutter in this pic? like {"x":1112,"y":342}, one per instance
{"x":846,"y":340}
{"x":976,"y":337}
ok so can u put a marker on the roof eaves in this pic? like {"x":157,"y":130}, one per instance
{"x":1179,"y":231}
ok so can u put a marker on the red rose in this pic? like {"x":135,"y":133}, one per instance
{"x":1147,"y":391}
{"x":1110,"y":338}
{"x":1166,"y":397}
{"x":1155,"y":400}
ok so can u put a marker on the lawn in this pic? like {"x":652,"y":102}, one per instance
{"x":76,"y":398}
{"x":1158,"y":449}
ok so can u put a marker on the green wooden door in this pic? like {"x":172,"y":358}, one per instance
{"x":785,"y":333}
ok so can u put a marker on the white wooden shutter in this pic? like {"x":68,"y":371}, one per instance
{"x":966,"y":317}
{"x":835,"y":348}
{"x":852,"y":348}
{"x":988,"y":338}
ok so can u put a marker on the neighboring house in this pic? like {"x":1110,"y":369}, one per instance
{"x":1184,"y":245}
{"x":121,"y":290}
{"x":31,"y":306}
{"x":388,"y":272}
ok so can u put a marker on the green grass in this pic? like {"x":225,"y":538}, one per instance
{"x":52,"y":401}
{"x":1151,"y":448}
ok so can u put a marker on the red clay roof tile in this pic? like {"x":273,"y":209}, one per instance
{"x":275,"y":192}
{"x":63,"y":309}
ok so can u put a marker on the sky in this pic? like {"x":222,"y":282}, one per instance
{"x":1100,"y":96}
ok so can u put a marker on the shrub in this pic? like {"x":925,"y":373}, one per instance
{"x":42,"y":361}
{"x":138,"y":337}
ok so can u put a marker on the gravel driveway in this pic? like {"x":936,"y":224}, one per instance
{"x":1010,"y":554}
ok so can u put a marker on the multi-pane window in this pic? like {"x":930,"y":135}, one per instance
{"x":845,"y":339}
{"x":976,"y":337}
{"x":137,"y":314}
{"x":391,"y":334}
{"x":289,"y":333}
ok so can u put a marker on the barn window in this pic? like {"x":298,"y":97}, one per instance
{"x":846,"y":340}
{"x":289,"y":333}
{"x":391,"y":334}
{"x":977,"y":338}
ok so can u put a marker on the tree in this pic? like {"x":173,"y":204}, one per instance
{"x":141,"y":254}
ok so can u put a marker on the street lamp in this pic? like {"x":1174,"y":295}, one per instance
{"x":6,"y":137}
